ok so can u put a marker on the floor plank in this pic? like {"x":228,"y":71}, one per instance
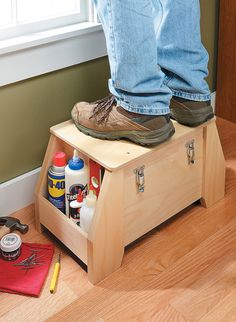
{"x":157,"y":292}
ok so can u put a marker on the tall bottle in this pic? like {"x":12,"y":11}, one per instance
{"x":56,"y":181}
{"x":76,"y":180}
{"x":87,"y":210}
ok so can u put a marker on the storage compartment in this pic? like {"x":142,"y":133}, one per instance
{"x":63,"y":228}
{"x":141,"y":188}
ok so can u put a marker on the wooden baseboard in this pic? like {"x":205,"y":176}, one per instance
{"x":18,"y":193}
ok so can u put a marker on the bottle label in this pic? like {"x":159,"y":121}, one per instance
{"x":72,"y":195}
{"x":56,"y":190}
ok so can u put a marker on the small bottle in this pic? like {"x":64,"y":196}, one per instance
{"x":87,"y":210}
{"x":75,"y":206}
{"x":56,"y":181}
{"x":76,"y":180}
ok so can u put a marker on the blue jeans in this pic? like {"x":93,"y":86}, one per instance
{"x":155,"y":52}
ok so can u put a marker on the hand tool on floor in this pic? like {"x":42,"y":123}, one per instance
{"x":55,"y":275}
{"x":10,"y":224}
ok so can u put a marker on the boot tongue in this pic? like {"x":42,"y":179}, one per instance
{"x":135,"y":116}
{"x":151,"y":122}
{"x":127,"y":114}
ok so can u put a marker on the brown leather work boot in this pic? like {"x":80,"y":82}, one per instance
{"x":191,"y":113}
{"x":103,"y":119}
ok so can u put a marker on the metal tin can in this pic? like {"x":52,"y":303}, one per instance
{"x":10,"y":245}
{"x":56,"y":189}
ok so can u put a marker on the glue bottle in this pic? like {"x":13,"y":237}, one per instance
{"x":76,"y":180}
{"x":87,"y":210}
{"x":75,"y":206}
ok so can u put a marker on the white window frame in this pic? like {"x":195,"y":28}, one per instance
{"x":18,"y":28}
{"x":38,"y":53}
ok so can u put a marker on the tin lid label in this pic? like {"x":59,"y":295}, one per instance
{"x":10,"y":242}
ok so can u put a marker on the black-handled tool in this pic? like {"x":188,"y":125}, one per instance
{"x":10,"y":224}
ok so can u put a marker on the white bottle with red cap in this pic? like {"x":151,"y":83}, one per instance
{"x":87,"y":210}
{"x":75,"y":206}
{"x":56,"y":181}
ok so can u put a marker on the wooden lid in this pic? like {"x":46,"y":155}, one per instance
{"x":110,"y":154}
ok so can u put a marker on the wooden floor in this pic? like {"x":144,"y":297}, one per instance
{"x":185,"y":270}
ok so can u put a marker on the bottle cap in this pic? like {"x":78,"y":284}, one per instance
{"x":59,"y":159}
{"x":80,"y":197}
{"x":10,"y":242}
{"x":76,"y":163}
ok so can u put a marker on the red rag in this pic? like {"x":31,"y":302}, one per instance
{"x":17,"y":280}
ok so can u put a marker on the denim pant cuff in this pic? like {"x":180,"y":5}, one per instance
{"x":146,"y":110}
{"x":192,"y":97}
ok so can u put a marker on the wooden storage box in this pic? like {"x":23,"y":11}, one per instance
{"x":141,"y":188}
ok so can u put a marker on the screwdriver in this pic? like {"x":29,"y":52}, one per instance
{"x":55,"y":275}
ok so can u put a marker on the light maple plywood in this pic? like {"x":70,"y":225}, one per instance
{"x":110,"y":154}
{"x":213,"y":188}
{"x":122,"y":214}
{"x":54,"y":145}
{"x":41,"y":187}
{"x":106,"y":245}
{"x":63,"y":228}
{"x":171,"y":184}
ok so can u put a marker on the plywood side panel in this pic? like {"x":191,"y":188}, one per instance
{"x":106,"y":246}
{"x":171,"y":184}
{"x":63,"y":228}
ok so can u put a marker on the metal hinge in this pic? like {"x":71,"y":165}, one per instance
{"x":190,"y":152}
{"x":140,"y":178}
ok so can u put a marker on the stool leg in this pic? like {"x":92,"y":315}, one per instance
{"x":213,"y":188}
{"x":105,"y":238}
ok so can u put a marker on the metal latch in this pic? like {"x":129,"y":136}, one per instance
{"x":140,"y":178}
{"x":190,"y":152}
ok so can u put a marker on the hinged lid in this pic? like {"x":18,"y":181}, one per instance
{"x":113,"y":154}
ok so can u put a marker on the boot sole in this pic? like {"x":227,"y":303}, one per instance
{"x":150,"y":138}
{"x":191,"y":118}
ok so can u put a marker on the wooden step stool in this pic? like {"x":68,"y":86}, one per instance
{"x":141,"y":188}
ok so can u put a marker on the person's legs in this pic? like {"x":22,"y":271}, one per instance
{"x":139,"y":107}
{"x":155,"y":51}
{"x":183,"y":59}
{"x":180,"y":51}
{"x":136,"y":78}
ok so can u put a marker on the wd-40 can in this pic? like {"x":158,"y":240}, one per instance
{"x":56,"y":181}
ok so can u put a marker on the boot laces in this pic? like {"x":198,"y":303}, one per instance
{"x":102,"y":109}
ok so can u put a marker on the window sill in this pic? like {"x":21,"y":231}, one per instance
{"x":43,"y":52}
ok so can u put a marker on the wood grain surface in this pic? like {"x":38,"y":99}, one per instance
{"x":183,"y":270}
